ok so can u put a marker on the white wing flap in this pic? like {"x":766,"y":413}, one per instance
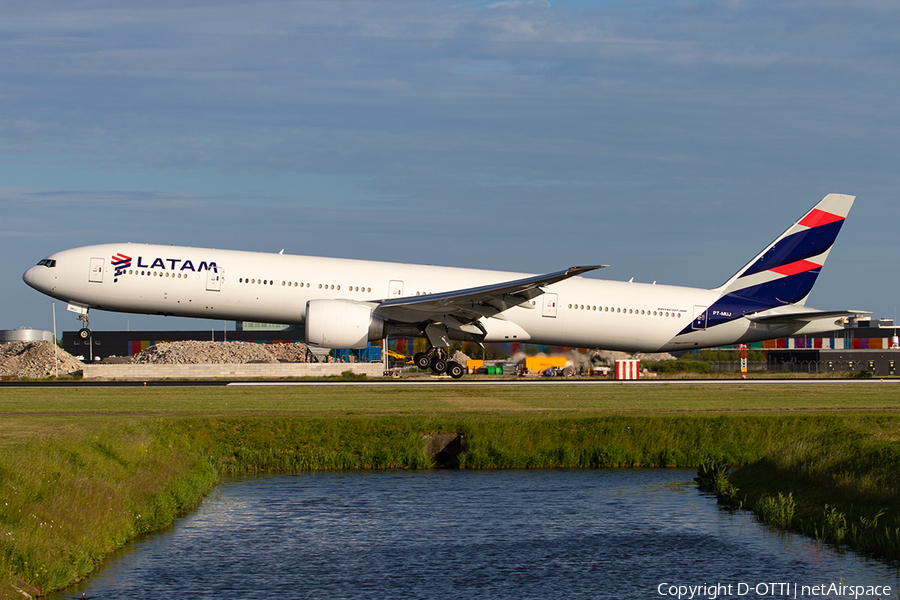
{"x":484,"y":301}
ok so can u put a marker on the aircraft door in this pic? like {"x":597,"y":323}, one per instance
{"x":96,"y":274}
{"x":699,"y":322}
{"x":396,"y":289}
{"x":550,"y":304}
{"x":214,"y":279}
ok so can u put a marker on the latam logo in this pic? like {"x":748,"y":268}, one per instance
{"x":122,"y":262}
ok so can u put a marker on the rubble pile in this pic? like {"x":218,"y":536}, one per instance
{"x":609,"y":357}
{"x":295,"y":352}
{"x":35,"y":360}
{"x":197,"y":353}
{"x":654,"y":356}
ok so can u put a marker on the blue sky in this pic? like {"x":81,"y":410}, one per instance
{"x":672,"y":140}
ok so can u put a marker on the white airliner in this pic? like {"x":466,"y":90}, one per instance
{"x":347,"y":303}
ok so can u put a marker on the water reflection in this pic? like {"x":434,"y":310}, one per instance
{"x":484,"y":534}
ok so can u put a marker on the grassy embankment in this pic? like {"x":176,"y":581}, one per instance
{"x":83,"y":470}
{"x":840,"y":485}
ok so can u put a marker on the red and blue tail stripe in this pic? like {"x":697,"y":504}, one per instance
{"x":797,"y":252}
{"x":785,"y":272}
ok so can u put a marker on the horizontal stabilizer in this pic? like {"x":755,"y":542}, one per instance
{"x":805,"y":316}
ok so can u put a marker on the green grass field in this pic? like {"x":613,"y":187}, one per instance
{"x":399,"y":399}
{"x":83,"y":469}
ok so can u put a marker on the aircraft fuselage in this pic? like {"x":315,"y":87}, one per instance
{"x":275,"y":288}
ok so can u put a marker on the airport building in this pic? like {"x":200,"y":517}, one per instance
{"x":863,"y":345}
{"x":103,"y":344}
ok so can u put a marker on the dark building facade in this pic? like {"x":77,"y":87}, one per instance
{"x":104,"y":344}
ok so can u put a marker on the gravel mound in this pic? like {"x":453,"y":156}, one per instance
{"x":295,"y":352}
{"x":35,"y":360}
{"x":654,"y":356}
{"x":198,"y":353}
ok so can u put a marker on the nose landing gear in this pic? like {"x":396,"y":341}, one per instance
{"x":84,"y":334}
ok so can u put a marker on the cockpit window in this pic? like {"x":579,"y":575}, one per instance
{"x":47,"y":262}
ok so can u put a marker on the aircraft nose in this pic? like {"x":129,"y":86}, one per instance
{"x":29,"y":276}
{"x":38,"y":278}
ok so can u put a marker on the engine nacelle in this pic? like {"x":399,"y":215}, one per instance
{"x":341,"y":324}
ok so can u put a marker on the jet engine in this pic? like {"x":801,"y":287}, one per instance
{"x":341,"y":324}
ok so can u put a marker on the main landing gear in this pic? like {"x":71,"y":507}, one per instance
{"x":436,"y":360}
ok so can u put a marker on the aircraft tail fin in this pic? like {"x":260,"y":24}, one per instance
{"x":785,"y":271}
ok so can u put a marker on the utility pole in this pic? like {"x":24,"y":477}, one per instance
{"x":55,"y":346}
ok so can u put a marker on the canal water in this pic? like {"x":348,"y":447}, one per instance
{"x":516,"y":534}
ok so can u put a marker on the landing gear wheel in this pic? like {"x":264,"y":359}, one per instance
{"x":84,"y":334}
{"x":455,"y":370}
{"x":422,"y":360}
{"x":439,"y":365}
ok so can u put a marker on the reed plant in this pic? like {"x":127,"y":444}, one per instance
{"x":777,"y":511}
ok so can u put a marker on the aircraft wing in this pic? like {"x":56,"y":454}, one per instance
{"x":804,"y":316}
{"x":462,"y":307}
